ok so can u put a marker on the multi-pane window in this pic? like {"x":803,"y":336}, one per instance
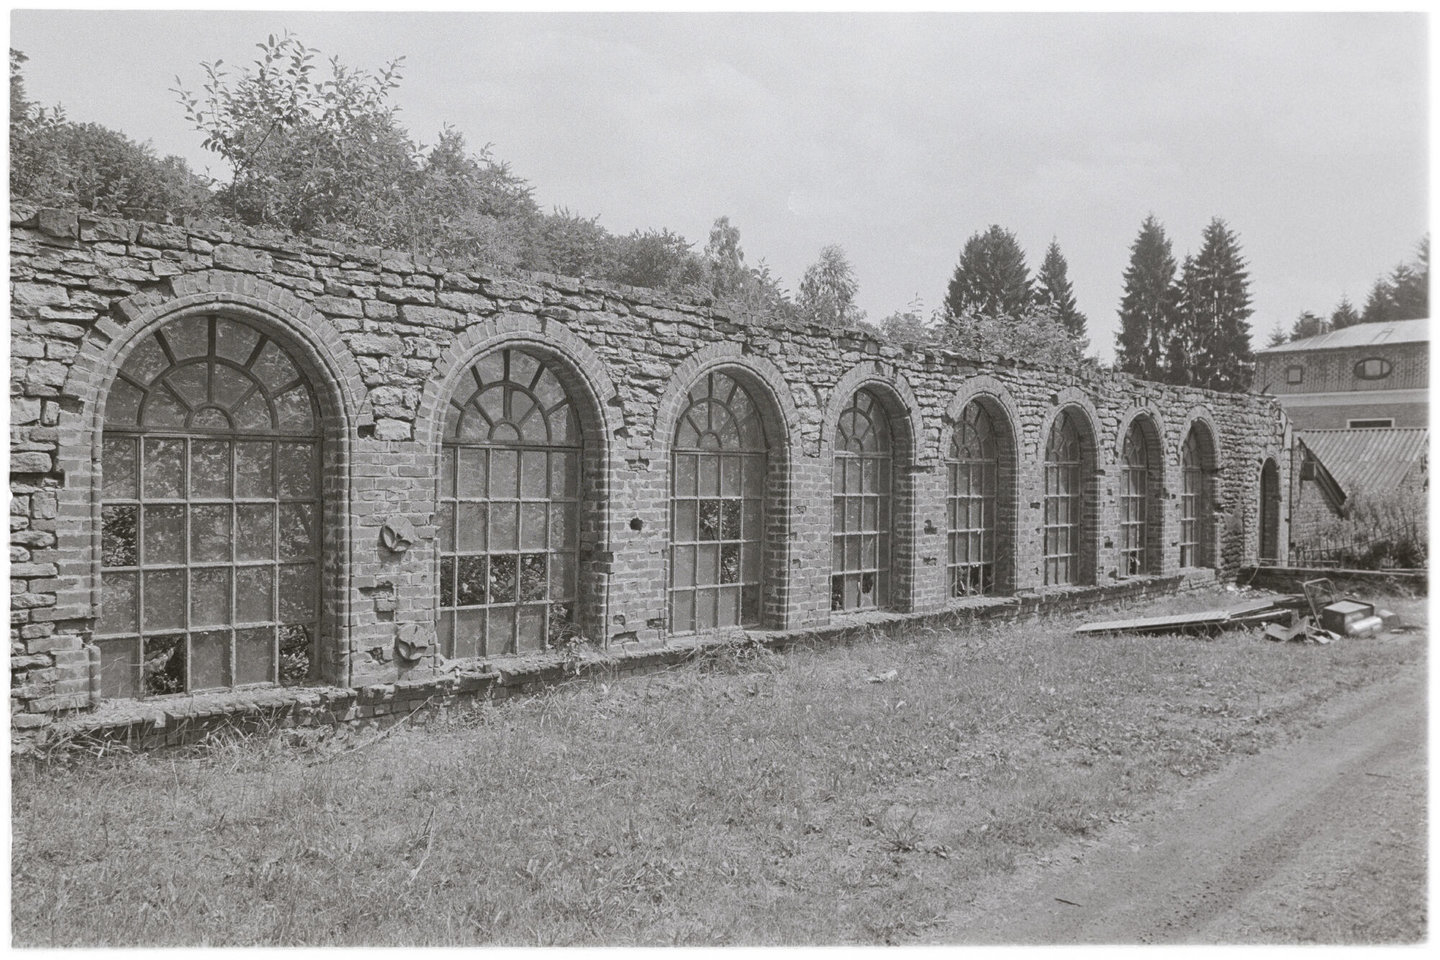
{"x":1063,"y":501}
{"x":974,"y":475}
{"x":1194,"y":502}
{"x":210,"y":513}
{"x":860,"y":541}
{"x":717,"y":508}
{"x":509,"y":501}
{"x":1134,"y":502}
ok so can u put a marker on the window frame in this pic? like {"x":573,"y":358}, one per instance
{"x":1386,"y":368}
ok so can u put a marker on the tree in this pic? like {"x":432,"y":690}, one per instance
{"x":572,"y":245}
{"x":827,"y":291}
{"x":658,"y":259}
{"x":908,"y":326}
{"x":1404,"y":294}
{"x":1035,"y":335}
{"x":56,"y":162}
{"x":1053,"y":290}
{"x":1212,"y":348}
{"x":1344,"y":315}
{"x":991,"y":278}
{"x":1150,"y":305}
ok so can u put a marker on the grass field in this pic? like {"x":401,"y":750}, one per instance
{"x":751,"y":798}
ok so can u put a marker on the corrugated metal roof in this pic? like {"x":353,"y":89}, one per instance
{"x":1372,"y":461}
{"x":1360,"y":335}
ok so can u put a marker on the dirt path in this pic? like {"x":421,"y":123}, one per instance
{"x":1321,"y":839}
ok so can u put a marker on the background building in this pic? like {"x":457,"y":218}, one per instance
{"x":1365,"y":376}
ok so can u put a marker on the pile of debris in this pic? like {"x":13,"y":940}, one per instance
{"x":1317,"y":615}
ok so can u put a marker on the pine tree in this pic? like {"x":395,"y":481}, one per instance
{"x":1053,"y":290}
{"x":1404,"y":294}
{"x":1380,"y":304}
{"x":1179,"y":341}
{"x":1213,"y":349}
{"x":991,"y":278}
{"x":1148,"y":311}
{"x":1344,"y":315}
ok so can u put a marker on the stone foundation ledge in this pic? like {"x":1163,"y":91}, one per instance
{"x":182,"y":719}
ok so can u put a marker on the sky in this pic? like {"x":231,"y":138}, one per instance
{"x":895,"y":136}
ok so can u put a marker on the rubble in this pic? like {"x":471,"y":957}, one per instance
{"x":1317,"y":615}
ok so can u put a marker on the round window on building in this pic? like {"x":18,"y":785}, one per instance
{"x":1373,"y":368}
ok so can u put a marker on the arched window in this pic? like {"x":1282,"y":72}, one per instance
{"x":509,"y":497}
{"x":1134,"y":502}
{"x":860,"y":538}
{"x":211,"y":513}
{"x":1064,"y":503}
{"x":972,"y":501}
{"x":1195,"y":501}
{"x":717,"y":508}
{"x":1269,"y":513}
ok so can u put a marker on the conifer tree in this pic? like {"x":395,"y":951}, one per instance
{"x":991,"y":278}
{"x":1344,"y":315}
{"x":1213,"y":346}
{"x":1148,"y":310}
{"x":1053,"y":290}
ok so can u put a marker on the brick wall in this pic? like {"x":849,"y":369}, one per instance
{"x":385,"y":338}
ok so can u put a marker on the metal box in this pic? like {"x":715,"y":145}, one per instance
{"x":1341,"y":615}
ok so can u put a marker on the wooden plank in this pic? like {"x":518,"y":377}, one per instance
{"x":1181,"y":622}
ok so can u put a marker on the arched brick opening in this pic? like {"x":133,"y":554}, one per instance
{"x":1070,"y":498}
{"x":315,"y":351}
{"x":981,"y":479}
{"x":1270,"y":503}
{"x":720,"y":380}
{"x":876,"y":478}
{"x":1199,"y":472}
{"x":485,"y":356}
{"x":1141,"y":465}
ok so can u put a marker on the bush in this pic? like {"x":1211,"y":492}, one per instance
{"x":1380,"y":531}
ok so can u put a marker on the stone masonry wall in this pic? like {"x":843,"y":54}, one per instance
{"x":384,"y":337}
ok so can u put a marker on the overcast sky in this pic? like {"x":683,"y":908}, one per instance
{"x":896,"y":137}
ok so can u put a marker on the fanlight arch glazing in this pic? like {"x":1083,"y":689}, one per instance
{"x":1064,"y":505}
{"x":1196,"y":499}
{"x":1135,"y":518}
{"x":210,"y":513}
{"x":861,"y":505}
{"x":718,"y":466}
{"x":973,"y":467}
{"x":509,"y":503}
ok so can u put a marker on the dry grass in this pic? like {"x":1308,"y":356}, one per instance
{"x":751,"y":798}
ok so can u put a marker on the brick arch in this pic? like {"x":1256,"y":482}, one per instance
{"x":781,"y":419}
{"x":317,"y":350}
{"x":598,"y":408}
{"x":996,"y":398}
{"x":781,"y":412}
{"x":901,"y":406}
{"x":1074,"y":399}
{"x":1198,"y":416}
{"x":1156,"y":432}
{"x":1152,"y":429}
{"x":585,"y":368}
{"x":1061,"y":399}
{"x":1208,"y":533}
